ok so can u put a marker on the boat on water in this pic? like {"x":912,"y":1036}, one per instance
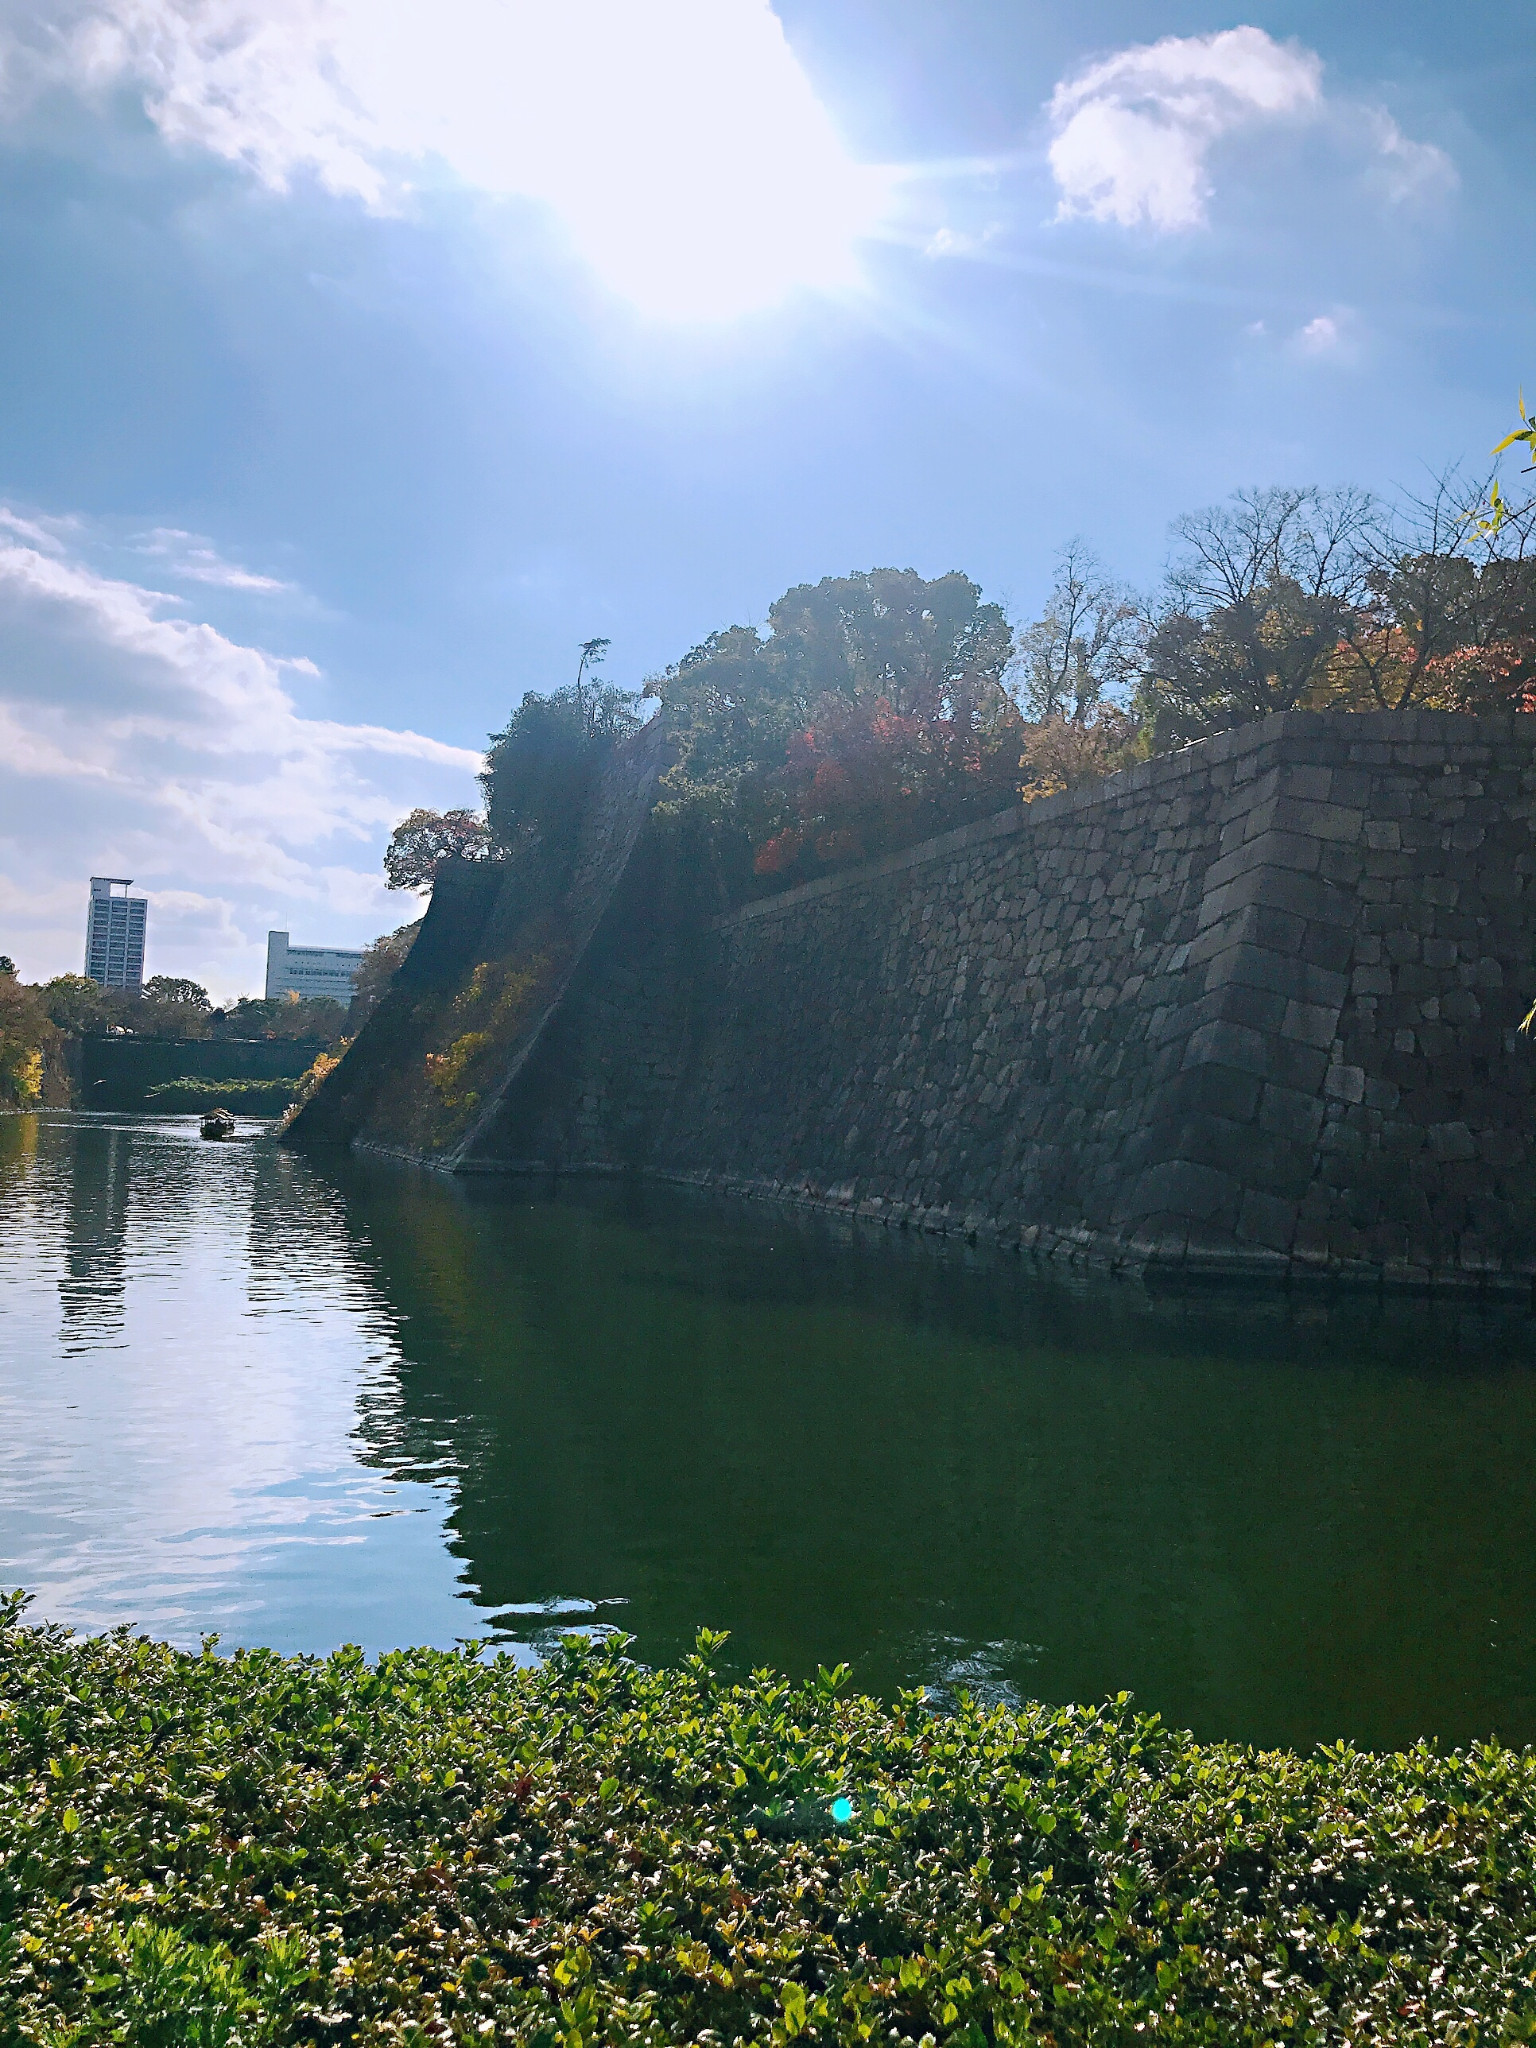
{"x":217,"y":1123}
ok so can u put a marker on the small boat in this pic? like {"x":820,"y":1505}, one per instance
{"x":217,"y":1123}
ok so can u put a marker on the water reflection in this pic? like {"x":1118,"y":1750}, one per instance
{"x":1276,"y":1518}
{"x":92,"y":1281}
{"x":342,"y":1400}
{"x":179,"y":1390}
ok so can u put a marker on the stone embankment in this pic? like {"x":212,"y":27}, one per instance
{"x":1252,"y":1009}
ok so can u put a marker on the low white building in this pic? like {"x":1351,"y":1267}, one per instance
{"x":310,"y":970}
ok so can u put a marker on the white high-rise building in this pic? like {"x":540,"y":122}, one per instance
{"x":310,"y":970}
{"x":114,"y":934}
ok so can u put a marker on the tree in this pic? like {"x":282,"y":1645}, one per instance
{"x":75,"y":1003}
{"x":539,"y":769}
{"x":1447,"y":613}
{"x":27,"y":1038}
{"x":7,"y":965}
{"x":290,"y":1016}
{"x":1086,"y":645}
{"x":1073,"y":667}
{"x":593,"y":654}
{"x":168,"y":988}
{"x":420,"y":844}
{"x":873,"y":710}
{"x":380,"y":963}
{"x":1255,"y":603}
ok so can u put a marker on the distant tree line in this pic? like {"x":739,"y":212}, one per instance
{"x":878,"y":708}
{"x":36,"y":1019}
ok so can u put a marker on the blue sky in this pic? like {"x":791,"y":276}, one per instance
{"x":359,"y":360}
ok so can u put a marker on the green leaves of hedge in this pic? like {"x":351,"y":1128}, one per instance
{"x":243,"y":1850}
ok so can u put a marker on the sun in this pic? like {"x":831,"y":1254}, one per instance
{"x":679,"y":142}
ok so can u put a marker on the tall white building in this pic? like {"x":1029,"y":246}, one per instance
{"x":114,"y":934}
{"x":310,"y":970}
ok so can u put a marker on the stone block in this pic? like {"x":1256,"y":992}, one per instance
{"x":1182,"y":1188}
{"x":1452,"y":1141}
{"x":1284,"y":850}
{"x":1290,"y":1113}
{"x":1311,"y":1023}
{"x":1268,"y":1220}
{"x":1318,"y":820}
{"x":1214,"y":1090}
{"x":1371,"y":981}
{"x":1302,"y":896}
{"x":1284,"y":974}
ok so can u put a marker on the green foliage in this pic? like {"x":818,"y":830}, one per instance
{"x":538,"y":771}
{"x":1524,"y":436}
{"x":872,"y":712}
{"x":290,"y":1016}
{"x":436,"y":1847}
{"x":379,"y":965}
{"x":76,"y":1003}
{"x":246,"y":1098}
{"x":27,"y":1037}
{"x":172,"y":989}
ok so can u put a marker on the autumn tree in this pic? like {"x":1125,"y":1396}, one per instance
{"x":420,"y":844}
{"x":1446,"y":615}
{"x":1256,"y":598}
{"x":27,"y":1038}
{"x":1074,"y":668}
{"x":872,"y":710}
{"x":1085,"y":648}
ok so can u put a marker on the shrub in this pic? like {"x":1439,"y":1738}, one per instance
{"x":247,"y":1098}
{"x":442,"y":1847}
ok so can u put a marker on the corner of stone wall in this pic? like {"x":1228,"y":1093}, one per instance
{"x":1361,"y":861}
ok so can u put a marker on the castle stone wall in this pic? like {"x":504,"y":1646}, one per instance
{"x":1249,"y":1008}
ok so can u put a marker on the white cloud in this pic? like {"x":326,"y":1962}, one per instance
{"x":1406,"y":170}
{"x":139,"y":744}
{"x":192,"y":557}
{"x":1320,"y":337}
{"x":1328,"y":338}
{"x":1132,"y":134}
{"x":678,"y":140}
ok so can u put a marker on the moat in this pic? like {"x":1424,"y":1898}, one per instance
{"x":303,"y":1400}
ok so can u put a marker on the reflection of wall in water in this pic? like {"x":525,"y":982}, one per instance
{"x":1274,"y":1520}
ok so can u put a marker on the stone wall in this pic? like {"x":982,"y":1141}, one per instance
{"x":118,"y":1073}
{"x":1249,"y":1008}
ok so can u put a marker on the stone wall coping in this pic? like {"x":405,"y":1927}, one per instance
{"x":1393,"y":728}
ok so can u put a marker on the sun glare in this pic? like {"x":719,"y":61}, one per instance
{"x":679,"y":141}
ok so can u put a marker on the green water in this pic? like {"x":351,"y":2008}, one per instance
{"x":303,"y":1402}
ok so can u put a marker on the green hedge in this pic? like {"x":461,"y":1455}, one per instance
{"x":441,"y":1847}
{"x":245,"y":1098}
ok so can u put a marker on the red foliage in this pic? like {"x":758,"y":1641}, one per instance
{"x":1503,"y":670}
{"x":864,"y":776}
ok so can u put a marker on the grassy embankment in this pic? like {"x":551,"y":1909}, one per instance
{"x":435,"y":1848}
{"x":244,"y":1098}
